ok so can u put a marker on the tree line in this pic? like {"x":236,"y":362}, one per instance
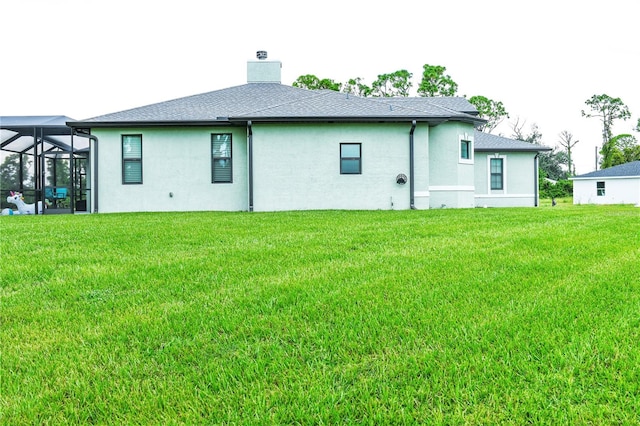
{"x":616,"y":149}
{"x":434,"y":82}
{"x":556,"y":164}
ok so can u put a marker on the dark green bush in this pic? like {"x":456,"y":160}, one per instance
{"x":560,"y":189}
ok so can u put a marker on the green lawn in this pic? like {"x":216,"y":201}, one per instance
{"x":478,"y":316}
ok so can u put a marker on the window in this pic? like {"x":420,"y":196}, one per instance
{"x":465,"y":149}
{"x":497,"y":174}
{"x":131,"y":159}
{"x":221,"y":165}
{"x":350,"y":159}
{"x":600,"y":188}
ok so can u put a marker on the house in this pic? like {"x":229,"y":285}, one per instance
{"x":265,"y":146}
{"x":614,"y":185}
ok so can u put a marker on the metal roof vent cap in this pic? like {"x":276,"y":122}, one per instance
{"x":261,"y":54}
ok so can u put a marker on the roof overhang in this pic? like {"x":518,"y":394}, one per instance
{"x":241,"y":121}
{"x":534,"y":148}
{"x":99,"y":124}
{"x":604,"y":178}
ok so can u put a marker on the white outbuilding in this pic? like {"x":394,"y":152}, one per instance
{"x":614,"y":185}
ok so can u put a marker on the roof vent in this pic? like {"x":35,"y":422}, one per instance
{"x":261,"y":54}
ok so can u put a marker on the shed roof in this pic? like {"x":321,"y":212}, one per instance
{"x":631,"y":169}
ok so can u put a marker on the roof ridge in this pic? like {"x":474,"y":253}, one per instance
{"x":379,"y":100}
{"x":168,"y":101}
{"x":386,"y":100}
{"x":313,"y":94}
{"x":435,"y":105}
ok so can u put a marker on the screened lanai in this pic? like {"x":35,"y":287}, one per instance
{"x":42,"y":158}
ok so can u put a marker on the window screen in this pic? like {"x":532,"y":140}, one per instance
{"x":221,"y":162}
{"x":131,"y":159}
{"x":497,"y":176}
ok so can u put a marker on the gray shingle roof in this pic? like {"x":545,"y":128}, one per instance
{"x":453,"y":103}
{"x":273,"y":101}
{"x":631,"y":169}
{"x":331,"y":104}
{"x":229,"y":102}
{"x":488,"y":142}
{"x":278,"y":102}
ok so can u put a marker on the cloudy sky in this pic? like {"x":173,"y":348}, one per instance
{"x":542,"y":59}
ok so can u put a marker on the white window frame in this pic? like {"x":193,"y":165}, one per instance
{"x":504,"y":174}
{"x":468,"y":138}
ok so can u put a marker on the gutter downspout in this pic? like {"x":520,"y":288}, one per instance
{"x":535,"y":180}
{"x":72,"y":175}
{"x":94,"y":174}
{"x":94,"y":169}
{"x":412,"y":203}
{"x":40,"y":196}
{"x":250,"y":148}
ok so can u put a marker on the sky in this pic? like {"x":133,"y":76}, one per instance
{"x":542,"y":59}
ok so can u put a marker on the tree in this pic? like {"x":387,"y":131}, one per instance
{"x":567,"y":142}
{"x":397,"y":83}
{"x":436,"y":83}
{"x":357,"y":87}
{"x":619,"y":150}
{"x":492,"y":111}
{"x":518,"y":132}
{"x":559,"y":189}
{"x":311,"y":82}
{"x":637,"y":128}
{"x":58,"y":173}
{"x":10,"y":172}
{"x":549,"y":162}
{"x":607,"y":109}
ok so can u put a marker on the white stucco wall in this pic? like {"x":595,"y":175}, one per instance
{"x":175,"y":160}
{"x":451,"y":179}
{"x":297,"y":166}
{"x":520,"y":180}
{"x":617,"y":191}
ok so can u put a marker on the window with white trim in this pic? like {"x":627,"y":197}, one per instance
{"x":221,"y":161}
{"x":131,"y":159}
{"x":600,"y":188}
{"x":465,"y":148}
{"x":496,"y":166}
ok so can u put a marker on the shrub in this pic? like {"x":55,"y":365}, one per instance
{"x":559,"y":189}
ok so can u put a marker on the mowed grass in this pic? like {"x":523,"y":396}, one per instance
{"x":479,"y":316}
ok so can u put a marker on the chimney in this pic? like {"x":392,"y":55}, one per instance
{"x":263,"y":71}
